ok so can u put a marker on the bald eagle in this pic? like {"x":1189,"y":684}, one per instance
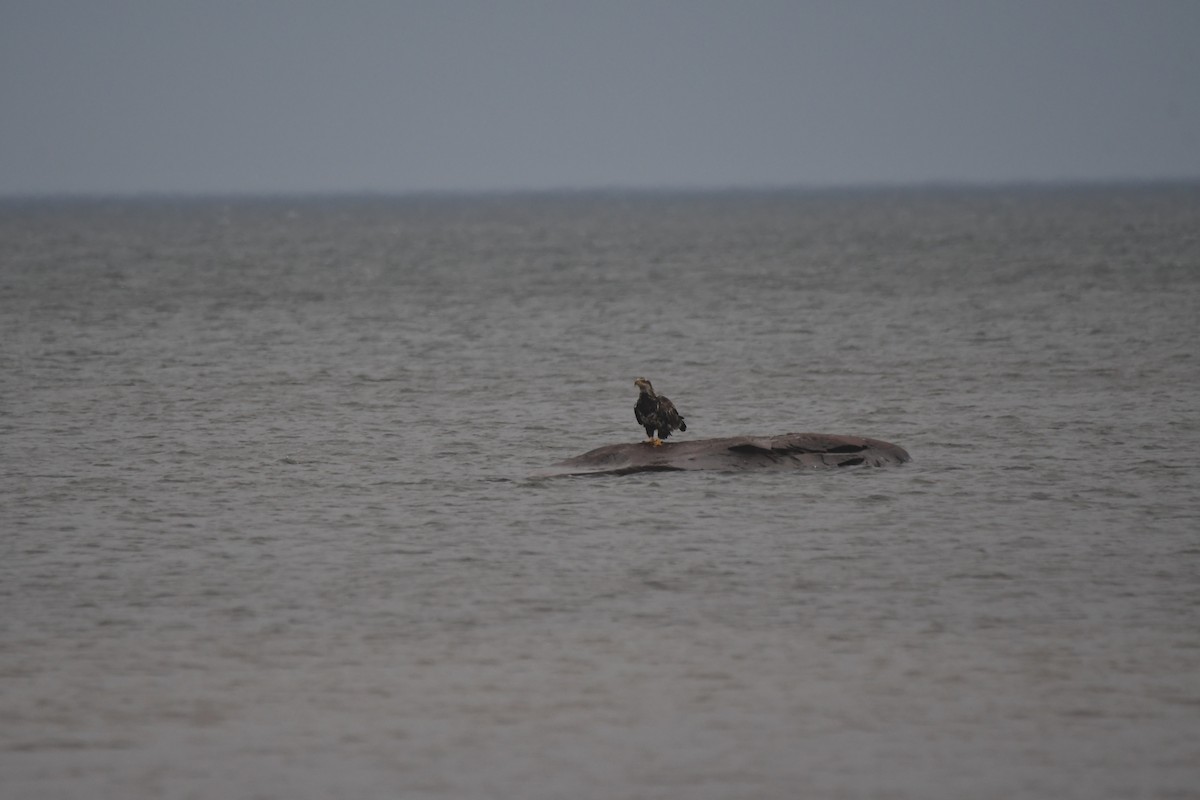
{"x":656,"y":412}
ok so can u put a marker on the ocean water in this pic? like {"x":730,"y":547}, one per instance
{"x":270,"y":523}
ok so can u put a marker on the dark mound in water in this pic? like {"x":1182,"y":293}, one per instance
{"x":786,"y":451}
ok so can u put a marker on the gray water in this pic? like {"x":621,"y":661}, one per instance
{"x":269,"y":527}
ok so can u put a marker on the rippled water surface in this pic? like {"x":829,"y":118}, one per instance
{"x":269,"y":527}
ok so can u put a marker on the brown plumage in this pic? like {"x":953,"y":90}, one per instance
{"x":655,"y":412}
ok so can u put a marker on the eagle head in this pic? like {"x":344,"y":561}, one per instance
{"x":644,"y":386}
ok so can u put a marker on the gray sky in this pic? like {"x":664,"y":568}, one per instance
{"x":273,"y":96}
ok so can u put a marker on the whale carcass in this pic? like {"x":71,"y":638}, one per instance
{"x":783,"y":451}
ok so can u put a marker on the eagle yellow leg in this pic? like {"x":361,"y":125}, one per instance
{"x":655,"y":441}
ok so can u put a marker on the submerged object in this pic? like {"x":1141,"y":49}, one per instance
{"x":731,"y":453}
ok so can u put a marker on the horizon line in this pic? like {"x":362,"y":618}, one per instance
{"x":600,"y":189}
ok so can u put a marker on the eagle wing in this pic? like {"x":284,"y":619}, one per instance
{"x":669,"y":416}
